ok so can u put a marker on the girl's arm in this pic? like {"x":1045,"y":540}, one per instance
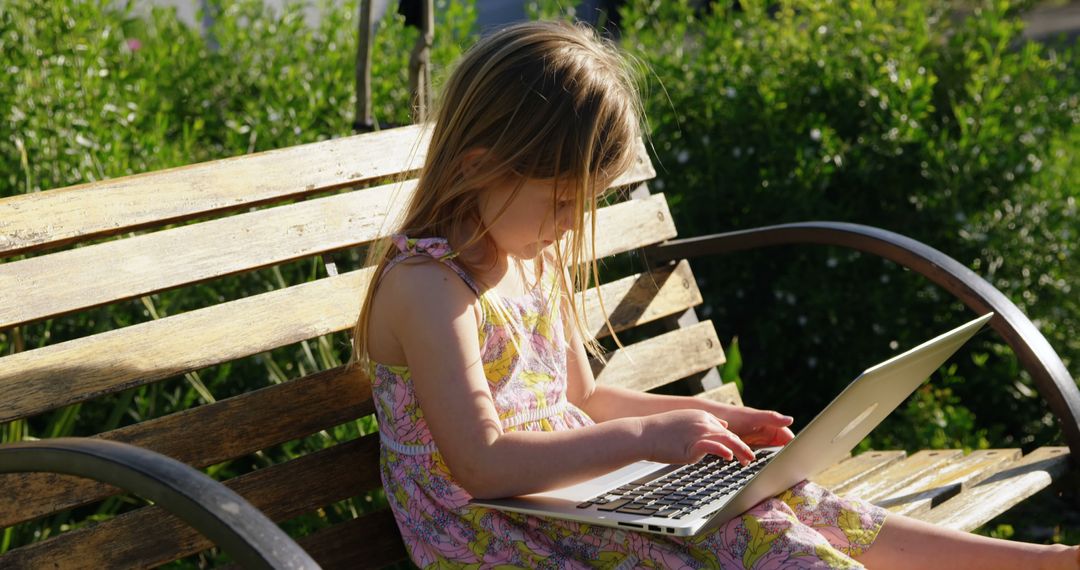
{"x":756,"y":427}
{"x":435,"y":324}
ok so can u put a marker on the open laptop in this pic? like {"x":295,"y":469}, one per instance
{"x":683,"y":500}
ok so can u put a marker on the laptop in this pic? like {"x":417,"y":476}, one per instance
{"x":684,"y":500}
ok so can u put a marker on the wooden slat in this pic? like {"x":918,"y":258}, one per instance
{"x":150,"y":536}
{"x":203,"y":436}
{"x":662,"y":359}
{"x":901,"y":473}
{"x":852,"y":470}
{"x":55,"y":217}
{"x":38,"y":380}
{"x":920,"y":495}
{"x":725,"y":394}
{"x":641,"y":298}
{"x":980,"y":503}
{"x":641,"y":170}
{"x":632,"y":224}
{"x":53,"y":376}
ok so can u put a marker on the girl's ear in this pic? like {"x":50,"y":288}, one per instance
{"x":470,"y":161}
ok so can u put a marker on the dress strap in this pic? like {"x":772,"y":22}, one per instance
{"x":433,"y":247}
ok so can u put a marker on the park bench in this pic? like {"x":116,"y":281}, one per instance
{"x":68,"y":251}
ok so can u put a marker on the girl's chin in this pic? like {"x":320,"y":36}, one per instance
{"x":533,"y":249}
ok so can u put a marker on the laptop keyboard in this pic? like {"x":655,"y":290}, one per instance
{"x":680,"y":490}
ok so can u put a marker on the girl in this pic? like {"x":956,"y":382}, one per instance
{"x":473,"y":341}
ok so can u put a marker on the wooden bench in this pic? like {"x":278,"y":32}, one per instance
{"x":301,"y":447}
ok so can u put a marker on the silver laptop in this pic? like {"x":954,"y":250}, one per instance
{"x":683,"y":500}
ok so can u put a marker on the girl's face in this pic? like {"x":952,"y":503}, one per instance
{"x":532,"y":220}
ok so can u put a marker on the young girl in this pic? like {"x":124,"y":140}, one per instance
{"x":473,"y":341}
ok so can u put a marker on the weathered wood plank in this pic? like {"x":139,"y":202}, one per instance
{"x":921,"y":494}
{"x":670,"y":356}
{"x":64,"y":215}
{"x":980,"y":503}
{"x":641,"y":298}
{"x":38,"y":380}
{"x":840,"y":476}
{"x":151,"y":536}
{"x":901,"y":473}
{"x":725,"y":394}
{"x":203,"y":436}
{"x":632,"y":224}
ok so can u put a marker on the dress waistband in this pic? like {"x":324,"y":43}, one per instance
{"x":559,"y":407}
{"x":536,"y":415}
{"x":406,"y":449}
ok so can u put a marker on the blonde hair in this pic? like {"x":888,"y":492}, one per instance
{"x":544,"y":100}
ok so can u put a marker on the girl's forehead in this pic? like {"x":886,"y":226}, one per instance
{"x":569,"y":187}
{"x":564,"y":188}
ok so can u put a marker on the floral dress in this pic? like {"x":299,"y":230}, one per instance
{"x":525,"y":364}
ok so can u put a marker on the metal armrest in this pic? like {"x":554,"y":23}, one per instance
{"x":213,"y":509}
{"x":1034,"y":352}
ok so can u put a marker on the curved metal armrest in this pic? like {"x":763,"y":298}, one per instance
{"x":220,"y":514}
{"x":1034,"y":352}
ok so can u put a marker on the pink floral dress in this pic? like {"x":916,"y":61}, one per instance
{"x":525,"y":364}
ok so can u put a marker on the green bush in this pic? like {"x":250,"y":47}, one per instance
{"x":939,"y":125}
{"x":92,"y":91}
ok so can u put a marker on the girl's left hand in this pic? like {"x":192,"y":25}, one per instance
{"x":758,"y":428}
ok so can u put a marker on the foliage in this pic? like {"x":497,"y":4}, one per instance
{"x":903,"y":115}
{"x":94,"y":91}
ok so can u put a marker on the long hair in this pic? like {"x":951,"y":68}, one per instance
{"x":545,"y":101}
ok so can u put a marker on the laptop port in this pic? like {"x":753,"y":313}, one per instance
{"x":631,"y":525}
{"x":654,"y":528}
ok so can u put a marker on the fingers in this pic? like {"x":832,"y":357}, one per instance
{"x":742,"y":451}
{"x":727,"y":445}
{"x":776,"y":418}
{"x":767,"y":436}
{"x":710,"y":447}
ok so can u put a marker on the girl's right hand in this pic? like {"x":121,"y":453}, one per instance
{"x":685,"y":436}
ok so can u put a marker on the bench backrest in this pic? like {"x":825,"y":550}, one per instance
{"x":298,"y":445}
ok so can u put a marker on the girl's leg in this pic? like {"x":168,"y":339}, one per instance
{"x":904,"y":542}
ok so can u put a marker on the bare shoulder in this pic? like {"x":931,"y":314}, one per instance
{"x":416,"y":298}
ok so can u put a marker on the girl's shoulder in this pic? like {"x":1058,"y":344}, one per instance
{"x":420,"y":290}
{"x":418,"y":298}
{"x":422,"y":270}
{"x":421,"y":276}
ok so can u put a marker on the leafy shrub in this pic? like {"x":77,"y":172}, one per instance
{"x":903,"y":115}
{"x":92,"y":91}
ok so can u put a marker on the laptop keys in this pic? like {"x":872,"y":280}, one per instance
{"x":679,"y":489}
{"x":614,"y":505}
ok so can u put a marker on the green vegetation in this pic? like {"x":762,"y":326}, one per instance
{"x":905,"y":115}
{"x":901,"y":115}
